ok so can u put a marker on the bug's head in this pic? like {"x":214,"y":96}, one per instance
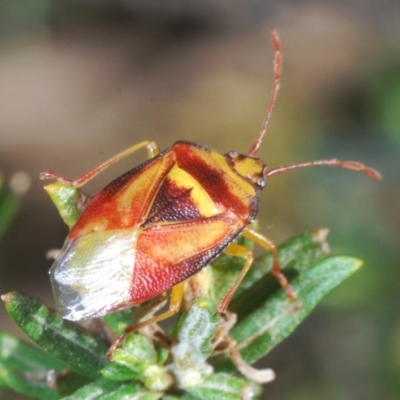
{"x":250,"y":168}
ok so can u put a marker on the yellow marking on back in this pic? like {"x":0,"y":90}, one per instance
{"x":205,"y":205}
{"x":239,"y":186}
{"x":142,"y":184}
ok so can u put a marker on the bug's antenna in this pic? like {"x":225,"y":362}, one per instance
{"x":354,"y":165}
{"x":275,"y":88}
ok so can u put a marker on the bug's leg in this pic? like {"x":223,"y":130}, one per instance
{"x":236,"y":250}
{"x":265,"y":243}
{"x":174,"y":307}
{"x":152,"y":151}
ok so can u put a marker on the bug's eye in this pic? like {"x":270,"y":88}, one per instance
{"x":261,"y":182}
{"x":233,"y":154}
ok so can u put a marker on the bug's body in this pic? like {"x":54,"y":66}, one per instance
{"x":162,"y":222}
{"x":154,"y":227}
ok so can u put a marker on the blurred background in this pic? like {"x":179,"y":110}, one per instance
{"x":82,"y":80}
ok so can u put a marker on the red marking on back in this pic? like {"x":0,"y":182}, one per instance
{"x":213,"y":180}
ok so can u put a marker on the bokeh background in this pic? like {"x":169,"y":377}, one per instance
{"x":82,"y":80}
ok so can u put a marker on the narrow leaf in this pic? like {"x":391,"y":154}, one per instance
{"x":33,"y":384}
{"x":295,"y":255}
{"x":277,"y":318}
{"x":29,"y":369}
{"x":193,"y":342}
{"x":25,"y":358}
{"x":138,"y":353}
{"x":194,"y":333}
{"x":186,"y":396}
{"x":10,"y":196}
{"x":118,"y":372}
{"x":119,"y":321}
{"x":224,"y":386}
{"x":66,"y":341}
{"x":94,"y":390}
{"x":109,"y":390}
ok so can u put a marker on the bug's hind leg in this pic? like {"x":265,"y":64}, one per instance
{"x":236,"y":250}
{"x":152,"y":151}
{"x":174,"y":307}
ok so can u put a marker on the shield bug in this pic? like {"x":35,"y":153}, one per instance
{"x":160,"y":223}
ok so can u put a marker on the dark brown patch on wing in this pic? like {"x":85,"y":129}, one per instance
{"x":172,"y":203}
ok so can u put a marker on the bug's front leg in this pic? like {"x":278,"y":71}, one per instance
{"x":152,"y":151}
{"x":268,"y":245}
{"x":237,"y":250}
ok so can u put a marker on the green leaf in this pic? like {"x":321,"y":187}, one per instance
{"x":224,"y":386}
{"x":138,"y":353}
{"x":118,"y":372}
{"x":66,"y":341}
{"x":109,"y":390}
{"x":28,"y":368}
{"x":33,"y":385}
{"x":295,"y":256}
{"x":119,"y":321}
{"x":266,"y":317}
{"x":94,"y":390}
{"x":10,"y":199}
{"x":23,"y":357}
{"x":278,"y":317}
{"x":298,"y":252}
{"x":195,"y":331}
{"x":193,"y":345}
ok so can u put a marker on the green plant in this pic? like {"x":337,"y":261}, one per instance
{"x":202,"y":356}
{"x":10,"y":195}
